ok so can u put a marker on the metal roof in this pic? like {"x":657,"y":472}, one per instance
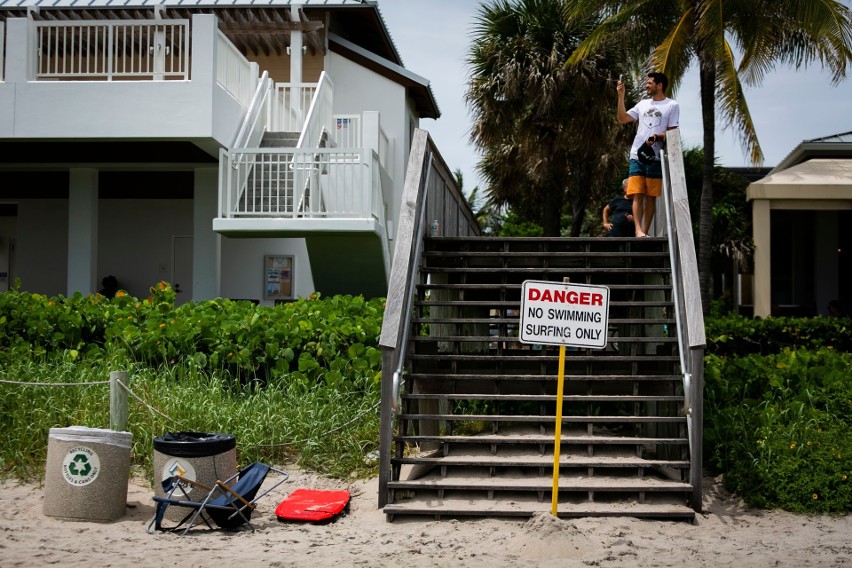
{"x":182,"y":3}
{"x":832,"y":146}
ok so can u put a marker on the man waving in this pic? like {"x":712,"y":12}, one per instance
{"x":654,"y":117}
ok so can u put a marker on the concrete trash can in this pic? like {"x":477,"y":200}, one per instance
{"x":200,"y":456}
{"x":87,"y":473}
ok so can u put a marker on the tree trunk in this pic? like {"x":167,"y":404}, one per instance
{"x":551,"y":211}
{"x":579,"y":200}
{"x":707,"y":72}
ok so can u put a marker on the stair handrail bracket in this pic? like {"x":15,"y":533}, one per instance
{"x":686,"y":295}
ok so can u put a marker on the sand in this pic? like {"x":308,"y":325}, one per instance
{"x":727,"y":534}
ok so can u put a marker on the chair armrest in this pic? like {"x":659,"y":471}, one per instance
{"x":235,"y":494}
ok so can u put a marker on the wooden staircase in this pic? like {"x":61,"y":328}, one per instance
{"x":475,"y":431}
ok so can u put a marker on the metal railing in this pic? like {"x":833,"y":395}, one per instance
{"x":686,"y":295}
{"x":120,"y":50}
{"x":303,"y":182}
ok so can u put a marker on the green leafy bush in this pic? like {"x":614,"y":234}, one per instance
{"x":296,"y":379}
{"x":314,"y":337}
{"x":736,"y":335}
{"x":780,"y":427}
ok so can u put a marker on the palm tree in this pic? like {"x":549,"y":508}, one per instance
{"x":712,"y":33}
{"x":543,"y":135}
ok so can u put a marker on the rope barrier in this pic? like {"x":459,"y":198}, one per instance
{"x":143,"y":403}
{"x":332,"y":431}
{"x":26,"y":384}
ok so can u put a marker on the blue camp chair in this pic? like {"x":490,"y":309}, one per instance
{"x":229,"y":504}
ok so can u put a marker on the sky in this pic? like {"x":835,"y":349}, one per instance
{"x":433,"y":38}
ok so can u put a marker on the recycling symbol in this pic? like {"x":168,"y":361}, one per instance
{"x":86,"y":468}
{"x":80,"y":466}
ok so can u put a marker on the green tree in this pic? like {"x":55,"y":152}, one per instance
{"x":712,"y":33}
{"x":546,"y":140}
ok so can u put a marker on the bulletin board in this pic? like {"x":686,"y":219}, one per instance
{"x":278,"y":277}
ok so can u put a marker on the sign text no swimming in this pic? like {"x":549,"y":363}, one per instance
{"x":553,"y":313}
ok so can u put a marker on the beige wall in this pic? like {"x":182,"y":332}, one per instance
{"x":279,"y":67}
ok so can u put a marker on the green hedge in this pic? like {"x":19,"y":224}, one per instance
{"x":737,"y":335}
{"x":778,"y":411}
{"x":312,"y":336}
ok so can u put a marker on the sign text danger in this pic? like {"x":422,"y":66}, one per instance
{"x":564,"y":314}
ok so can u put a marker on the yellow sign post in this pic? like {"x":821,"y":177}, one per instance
{"x":560,"y":384}
{"x":563,"y":314}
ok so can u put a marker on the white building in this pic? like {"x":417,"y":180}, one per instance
{"x":802,"y":223}
{"x":232,"y":148}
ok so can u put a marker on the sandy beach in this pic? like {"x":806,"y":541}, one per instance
{"x":727,"y":534}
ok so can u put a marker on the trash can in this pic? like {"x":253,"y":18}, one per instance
{"x":200,"y":456}
{"x":87,"y":473}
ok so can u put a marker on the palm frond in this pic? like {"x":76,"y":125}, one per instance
{"x":731,"y":101}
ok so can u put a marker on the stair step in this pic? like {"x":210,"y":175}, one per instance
{"x":533,"y":356}
{"x":515,"y":321}
{"x":543,"y":439}
{"x":543,"y":484}
{"x":516,"y":288}
{"x":538,"y":378}
{"x":547,"y":270}
{"x":492,"y":338}
{"x":546,"y":461}
{"x":541,"y":397}
{"x":544,"y":418}
{"x":516,"y":304}
{"x":550,"y":254}
{"x":529,"y":506}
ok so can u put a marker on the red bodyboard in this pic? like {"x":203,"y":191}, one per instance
{"x":312,"y":505}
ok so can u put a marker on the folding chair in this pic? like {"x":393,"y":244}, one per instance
{"x":228,"y":506}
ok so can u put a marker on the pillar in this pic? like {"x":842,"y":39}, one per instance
{"x":762,"y":256}
{"x":82,"y":231}
{"x":206,"y":245}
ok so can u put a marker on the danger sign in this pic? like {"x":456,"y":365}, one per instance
{"x":553,"y":313}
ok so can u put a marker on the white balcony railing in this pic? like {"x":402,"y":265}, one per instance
{"x":347,"y":130}
{"x":303,"y":183}
{"x":120,"y":50}
{"x":234,"y":72}
{"x":288,"y":106}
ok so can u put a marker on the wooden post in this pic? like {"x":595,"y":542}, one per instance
{"x":117,"y":401}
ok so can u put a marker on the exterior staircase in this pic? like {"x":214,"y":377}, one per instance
{"x":269,"y":185}
{"x":475,"y":429}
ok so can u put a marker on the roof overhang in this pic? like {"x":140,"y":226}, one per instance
{"x":815,"y":179}
{"x":416,"y":86}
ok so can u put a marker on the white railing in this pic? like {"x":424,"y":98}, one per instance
{"x":234,"y":72}
{"x":299,"y":183}
{"x":347,"y":130}
{"x":251,"y":129}
{"x":318,"y":121}
{"x":288,"y":106}
{"x":120,"y":50}
{"x":2,"y":51}
{"x":385,"y":149}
